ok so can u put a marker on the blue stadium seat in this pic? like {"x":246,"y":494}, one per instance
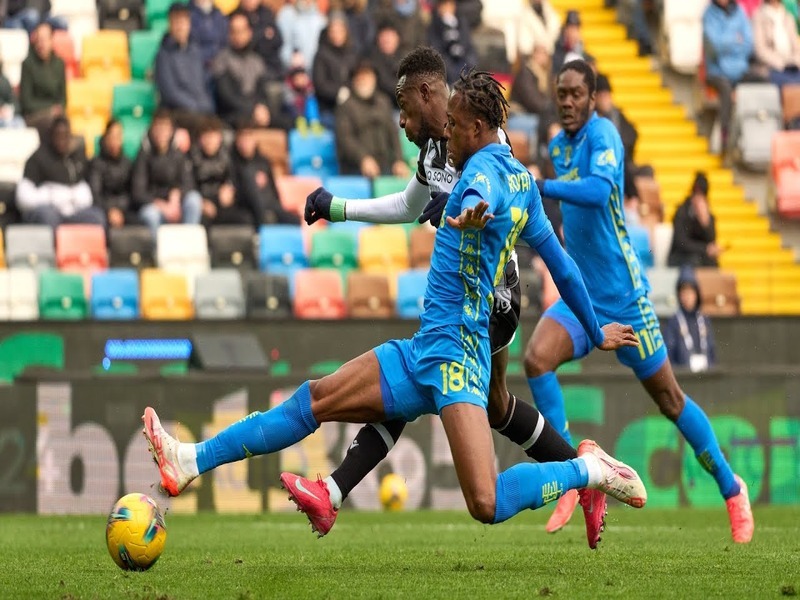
{"x":115,"y":294}
{"x":640,"y":239}
{"x":411,"y":292}
{"x":313,"y":154}
{"x":349,"y":186}
{"x":281,"y":249}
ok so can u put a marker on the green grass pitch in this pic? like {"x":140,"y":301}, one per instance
{"x":683,"y":553}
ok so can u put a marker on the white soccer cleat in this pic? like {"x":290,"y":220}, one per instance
{"x":164,"y":449}
{"x":618,"y":479}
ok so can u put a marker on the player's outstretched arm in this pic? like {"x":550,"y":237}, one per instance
{"x":400,"y":207}
{"x":472,"y":218}
{"x":589,"y":191}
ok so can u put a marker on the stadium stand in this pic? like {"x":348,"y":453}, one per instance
{"x":165,"y":296}
{"x":786,"y":172}
{"x":319,"y":294}
{"x":61,"y":296}
{"x":313,"y":154}
{"x":681,"y":35}
{"x":143,"y":49}
{"x":115,"y":295}
{"x":349,"y":186}
{"x":790,"y":102}
{"x":758,"y":116}
{"x":663,"y":282}
{"x":105,"y":55}
{"x":16,"y":147}
{"x":268,"y":296}
{"x":22,"y":294}
{"x":718,"y":290}
{"x":183,"y":249}
{"x":219,"y":295}
{"x":410,"y":293}
{"x":81,"y":247}
{"x":232,"y":246}
{"x":64,"y":48}
{"x":89,"y":107}
{"x":14,"y":45}
{"x":132,"y":246}
{"x":334,"y":250}
{"x":421,"y":246}
{"x":281,"y":249}
{"x":293,"y":191}
{"x":30,"y":246}
{"x":368,"y":296}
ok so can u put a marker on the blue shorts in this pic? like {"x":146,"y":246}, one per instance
{"x":434,"y":369}
{"x":644,"y":360}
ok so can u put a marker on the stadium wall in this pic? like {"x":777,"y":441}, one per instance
{"x":70,"y":442}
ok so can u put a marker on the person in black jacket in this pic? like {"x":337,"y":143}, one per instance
{"x":254,"y":182}
{"x":333,"y":64}
{"x":54,"y":189}
{"x":694,"y":237}
{"x":688,"y":334}
{"x":110,"y":178}
{"x":267,"y":38}
{"x":386,"y":60}
{"x":451,"y":36}
{"x":213,"y":176}
{"x":532,"y":87}
{"x":162,"y":183}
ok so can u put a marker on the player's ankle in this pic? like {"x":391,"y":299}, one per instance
{"x":334,"y":491}
{"x":593,"y":468}
{"x":187,"y":459}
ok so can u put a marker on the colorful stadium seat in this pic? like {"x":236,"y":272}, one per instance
{"x":165,"y":296}
{"x":385,"y":185}
{"x":133,"y":100}
{"x":663,"y":282}
{"x":757,"y":117}
{"x":349,"y":186}
{"x":231,"y":246}
{"x":104,"y":55}
{"x":319,"y":294}
{"x":89,"y":107}
{"x":156,"y":11}
{"x":421,"y":240}
{"x":81,"y":247}
{"x":718,"y":291}
{"x":219,"y":295}
{"x":274,"y":144}
{"x":313,"y":154}
{"x":331,"y":249}
{"x":790,"y":100}
{"x":411,"y":293}
{"x":132,"y":246}
{"x":64,"y":48}
{"x":281,"y":249}
{"x":115,"y":294}
{"x":662,"y":243}
{"x":786,"y":172}
{"x":14,"y":45}
{"x":183,"y":249}
{"x":383,"y":248}
{"x":268,"y":296}
{"x":30,"y":246}
{"x":682,"y":35}
{"x":293,"y":191}
{"x":124,"y":15}
{"x":16,"y":147}
{"x":368,"y":296}
{"x":61,"y":296}
{"x":143,"y":49}
{"x":23,"y":294}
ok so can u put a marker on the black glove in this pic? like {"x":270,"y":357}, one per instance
{"x":318,"y":205}
{"x":540,"y":186}
{"x":433,"y":210}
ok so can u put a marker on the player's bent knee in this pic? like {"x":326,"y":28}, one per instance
{"x":538,"y":360}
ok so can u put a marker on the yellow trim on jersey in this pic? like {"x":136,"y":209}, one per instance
{"x":614,"y":201}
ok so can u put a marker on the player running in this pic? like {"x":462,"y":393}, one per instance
{"x":589,"y":162}
{"x":422,"y":95}
{"x":445,"y":367}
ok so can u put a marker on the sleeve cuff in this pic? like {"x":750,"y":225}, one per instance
{"x":338,"y":210}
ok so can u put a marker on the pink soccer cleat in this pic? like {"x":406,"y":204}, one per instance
{"x":619,"y":480}
{"x":164,"y":449}
{"x":741,"y":516}
{"x":594,"y":511}
{"x":312,"y":498}
{"x":563,"y":511}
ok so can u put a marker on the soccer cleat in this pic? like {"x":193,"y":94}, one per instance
{"x":312,"y":498}
{"x":742,"y":524}
{"x":164,"y":449}
{"x":593,"y":503}
{"x":619,"y":480}
{"x":563,"y":512}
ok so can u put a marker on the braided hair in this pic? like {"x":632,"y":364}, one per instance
{"x":483,"y":95}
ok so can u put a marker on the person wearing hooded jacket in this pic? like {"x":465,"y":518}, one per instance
{"x":688,"y":333}
{"x":54,"y":189}
{"x":694,"y":237}
{"x":335,"y":59}
{"x":110,"y":178}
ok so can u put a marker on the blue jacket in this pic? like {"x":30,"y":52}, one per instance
{"x":209,"y":31}
{"x":728,"y":41}
{"x":181,"y":78}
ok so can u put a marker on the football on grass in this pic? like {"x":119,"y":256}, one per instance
{"x":135,"y":532}
{"x":393,"y":492}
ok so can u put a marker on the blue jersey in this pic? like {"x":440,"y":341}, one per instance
{"x":596,"y":236}
{"x":467,"y":265}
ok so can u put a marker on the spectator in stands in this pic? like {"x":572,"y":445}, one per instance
{"x":254,"y":182}
{"x":387,"y":59}
{"x":406,"y":18}
{"x":367,"y":139}
{"x":180,"y":72}
{"x":570,"y":43}
{"x":333,"y":64}
{"x":27,"y":14}
{"x":300,"y":101}
{"x":450,"y":35}
{"x":54,"y":189}
{"x":9,"y":104}
{"x":209,"y":28}
{"x":162,"y":187}
{"x":267,"y":37}
{"x":43,"y":82}
{"x":532,"y":88}
{"x":110,"y":178}
{"x":300,"y":23}
{"x":213,"y":175}
{"x":694,"y":238}
{"x":539,"y":25}
{"x":688,"y":334}
{"x":360,"y":23}
{"x":728,"y":42}
{"x":240,"y":79}
{"x":777,"y":45}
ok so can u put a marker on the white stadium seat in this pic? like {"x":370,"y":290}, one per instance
{"x":13,"y":48}
{"x":183,"y":249}
{"x":758,"y":116}
{"x":682,"y":34}
{"x":662,"y":290}
{"x":219,"y":295}
{"x":661,"y":243}
{"x":22,"y":295}
{"x":16,"y":146}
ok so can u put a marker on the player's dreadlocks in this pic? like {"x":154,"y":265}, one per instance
{"x":483,"y":94}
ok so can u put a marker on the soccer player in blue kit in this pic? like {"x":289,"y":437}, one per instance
{"x":589,"y":164}
{"x":445,"y":367}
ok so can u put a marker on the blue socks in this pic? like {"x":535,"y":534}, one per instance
{"x":531,"y":485}
{"x":549,"y":400}
{"x":696,"y":428}
{"x":260,"y":432}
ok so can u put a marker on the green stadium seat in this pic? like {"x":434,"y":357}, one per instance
{"x":22,"y":350}
{"x":156,"y":10}
{"x":410,"y":150}
{"x":143,"y":47}
{"x":133,"y":132}
{"x":61,"y":296}
{"x":133,"y":100}
{"x":334,"y":250}
{"x":382,"y":186}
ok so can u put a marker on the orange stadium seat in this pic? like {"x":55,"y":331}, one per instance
{"x":651,"y":209}
{"x":318,"y":294}
{"x":293,"y":191}
{"x":718,"y":291}
{"x":165,"y":296}
{"x":368,"y":296}
{"x":105,"y":55}
{"x":421,"y":242}
{"x":64,"y":48}
{"x":790,"y":99}
{"x":274,"y":144}
{"x":81,"y":247}
{"x":786,"y":172}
